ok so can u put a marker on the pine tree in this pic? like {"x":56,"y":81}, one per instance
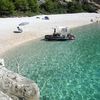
{"x":33,"y":5}
{"x":22,"y":5}
{"x":6,"y":7}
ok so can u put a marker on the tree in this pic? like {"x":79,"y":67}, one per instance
{"x":6,"y":7}
{"x":74,"y":7}
{"x":33,"y":5}
{"x":21,"y":5}
{"x":51,"y":6}
{"x":89,"y":8}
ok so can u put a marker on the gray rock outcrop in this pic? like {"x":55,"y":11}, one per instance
{"x":4,"y":96}
{"x":17,"y":86}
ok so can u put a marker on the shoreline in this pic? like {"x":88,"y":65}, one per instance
{"x":38,"y":27}
{"x":17,"y":44}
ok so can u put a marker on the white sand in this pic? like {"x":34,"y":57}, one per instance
{"x":38,"y":27}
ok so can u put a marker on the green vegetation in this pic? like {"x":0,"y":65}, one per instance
{"x":74,"y":7}
{"x":53,"y":6}
{"x":18,"y":7}
{"x":32,"y":7}
{"x":89,"y":7}
{"x":6,"y":8}
{"x":21,"y":5}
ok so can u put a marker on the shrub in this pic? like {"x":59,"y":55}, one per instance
{"x":6,"y":8}
{"x":89,"y":8}
{"x":74,"y":7}
{"x":21,"y":5}
{"x":33,"y":6}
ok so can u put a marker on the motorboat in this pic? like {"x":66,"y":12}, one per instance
{"x":59,"y":36}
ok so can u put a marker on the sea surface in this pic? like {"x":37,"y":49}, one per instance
{"x":68,"y":70}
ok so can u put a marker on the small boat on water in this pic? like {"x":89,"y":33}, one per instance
{"x":59,"y":36}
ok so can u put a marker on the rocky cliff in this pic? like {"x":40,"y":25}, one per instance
{"x":94,"y":3}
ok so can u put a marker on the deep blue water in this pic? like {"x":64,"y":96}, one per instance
{"x":68,"y":70}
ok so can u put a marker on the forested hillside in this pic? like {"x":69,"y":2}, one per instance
{"x":33,"y":7}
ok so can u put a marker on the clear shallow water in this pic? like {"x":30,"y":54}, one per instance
{"x":67,"y":70}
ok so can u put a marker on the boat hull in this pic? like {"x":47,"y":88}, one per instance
{"x":57,"y":38}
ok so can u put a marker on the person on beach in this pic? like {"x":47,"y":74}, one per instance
{"x":54,"y":30}
{"x":19,"y":29}
{"x":91,"y":20}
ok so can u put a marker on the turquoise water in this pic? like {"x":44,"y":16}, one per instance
{"x":67,"y":70}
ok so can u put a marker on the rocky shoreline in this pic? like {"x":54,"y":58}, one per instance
{"x":16,"y":87}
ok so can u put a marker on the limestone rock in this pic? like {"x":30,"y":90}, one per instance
{"x":4,"y":96}
{"x":14,"y":84}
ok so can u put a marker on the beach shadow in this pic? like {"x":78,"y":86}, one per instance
{"x":17,"y":32}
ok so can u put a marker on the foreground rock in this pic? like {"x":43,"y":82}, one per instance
{"x":4,"y":96}
{"x":17,"y":86}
